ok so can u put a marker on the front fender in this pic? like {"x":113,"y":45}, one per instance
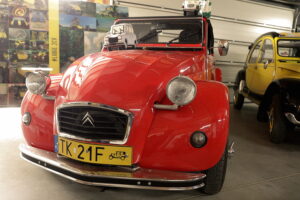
{"x":168,"y":142}
{"x":40,"y":131}
{"x":287,"y":88}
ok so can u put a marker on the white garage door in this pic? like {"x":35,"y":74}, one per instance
{"x":239,"y":21}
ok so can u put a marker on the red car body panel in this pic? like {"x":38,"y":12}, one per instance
{"x":40,"y":132}
{"x":134,"y":80}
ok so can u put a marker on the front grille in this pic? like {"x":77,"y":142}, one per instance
{"x":92,"y":123}
{"x":113,"y":40}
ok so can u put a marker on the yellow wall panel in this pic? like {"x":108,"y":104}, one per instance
{"x":54,"y":36}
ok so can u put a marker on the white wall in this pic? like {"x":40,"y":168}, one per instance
{"x":237,"y":20}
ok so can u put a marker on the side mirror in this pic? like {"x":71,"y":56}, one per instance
{"x":250,"y":46}
{"x":223,"y":47}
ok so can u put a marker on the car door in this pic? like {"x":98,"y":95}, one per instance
{"x":265,"y":71}
{"x":251,"y":64}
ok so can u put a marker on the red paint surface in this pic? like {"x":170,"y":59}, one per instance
{"x":134,"y":80}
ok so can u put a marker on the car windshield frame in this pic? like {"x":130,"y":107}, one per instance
{"x":164,"y":23}
{"x":287,"y":46}
{"x":116,"y":30}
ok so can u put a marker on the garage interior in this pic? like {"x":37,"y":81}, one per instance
{"x":258,"y":169}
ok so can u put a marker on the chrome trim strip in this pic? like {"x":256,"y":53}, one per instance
{"x":213,"y":17}
{"x":166,"y":107}
{"x":135,"y":178}
{"x":291,"y":117}
{"x":96,"y":105}
{"x":50,"y":98}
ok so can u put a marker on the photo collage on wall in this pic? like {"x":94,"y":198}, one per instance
{"x":23,"y":43}
{"x":83,"y":25}
{"x":24,"y":37}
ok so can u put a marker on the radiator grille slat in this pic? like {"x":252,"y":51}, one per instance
{"x":92,"y":123}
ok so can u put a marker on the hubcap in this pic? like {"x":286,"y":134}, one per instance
{"x":235,"y":97}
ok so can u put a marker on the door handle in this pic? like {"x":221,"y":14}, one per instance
{"x":266,"y":63}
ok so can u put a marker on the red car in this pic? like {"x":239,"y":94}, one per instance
{"x":152,"y":117}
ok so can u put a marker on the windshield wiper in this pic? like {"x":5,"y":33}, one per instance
{"x":186,"y":36}
{"x":150,"y":35}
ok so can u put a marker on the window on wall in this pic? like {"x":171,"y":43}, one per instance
{"x":255,"y":53}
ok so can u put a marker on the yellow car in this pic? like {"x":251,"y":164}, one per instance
{"x":22,"y":56}
{"x":3,"y":35}
{"x":271,"y":79}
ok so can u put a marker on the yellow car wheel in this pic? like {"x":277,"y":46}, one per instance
{"x":279,"y":126}
{"x":238,"y":99}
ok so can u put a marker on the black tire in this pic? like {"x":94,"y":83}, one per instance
{"x":215,"y":176}
{"x":238,"y":99}
{"x":278,"y":124}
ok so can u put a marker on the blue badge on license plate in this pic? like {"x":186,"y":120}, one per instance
{"x":56,"y":143}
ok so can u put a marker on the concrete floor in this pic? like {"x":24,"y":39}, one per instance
{"x":259,"y":169}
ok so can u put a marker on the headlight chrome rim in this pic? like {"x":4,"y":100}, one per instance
{"x":36,"y":83}
{"x":186,"y":79}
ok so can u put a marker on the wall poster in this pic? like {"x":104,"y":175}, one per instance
{"x":48,"y":33}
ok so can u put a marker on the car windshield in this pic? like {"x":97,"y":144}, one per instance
{"x":289,"y":48}
{"x":166,"y":32}
{"x":119,"y":29}
{"x":192,"y":1}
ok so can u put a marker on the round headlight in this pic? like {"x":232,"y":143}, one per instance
{"x":181,"y":90}
{"x":36,"y":83}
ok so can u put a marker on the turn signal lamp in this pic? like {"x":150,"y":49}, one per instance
{"x":198,"y":139}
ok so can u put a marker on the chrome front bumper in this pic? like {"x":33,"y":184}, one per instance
{"x":112,"y":176}
{"x":292,"y":118}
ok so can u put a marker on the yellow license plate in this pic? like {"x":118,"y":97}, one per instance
{"x":95,"y":154}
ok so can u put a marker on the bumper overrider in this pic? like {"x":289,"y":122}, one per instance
{"x":292,"y":113}
{"x":292,"y":118}
{"x":123,"y":177}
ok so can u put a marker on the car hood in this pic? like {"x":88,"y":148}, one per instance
{"x":132,"y":80}
{"x":125,"y":79}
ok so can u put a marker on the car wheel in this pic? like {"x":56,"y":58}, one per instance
{"x":215,"y":176}
{"x":278,"y":124}
{"x":238,"y":99}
